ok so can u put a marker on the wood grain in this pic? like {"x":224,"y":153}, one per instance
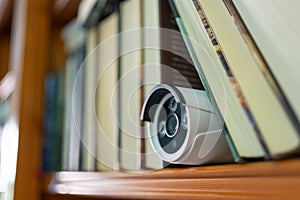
{"x":29,"y":60}
{"x":36,"y":49}
{"x":260,"y":180}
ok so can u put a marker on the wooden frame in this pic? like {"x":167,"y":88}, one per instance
{"x":32,"y":55}
{"x":29,"y":59}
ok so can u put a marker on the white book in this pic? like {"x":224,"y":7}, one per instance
{"x":272,"y":120}
{"x":130,"y":66}
{"x":73,"y":98}
{"x":89,"y":114}
{"x":275,"y":28}
{"x":71,"y":140}
{"x":107,"y":152}
{"x":151,"y":68}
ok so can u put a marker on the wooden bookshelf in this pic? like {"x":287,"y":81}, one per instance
{"x":35,"y":49}
{"x":256,"y":180}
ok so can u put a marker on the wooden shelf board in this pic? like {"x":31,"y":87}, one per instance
{"x":260,"y":180}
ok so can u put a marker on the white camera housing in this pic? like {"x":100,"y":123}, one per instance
{"x":183,"y":127}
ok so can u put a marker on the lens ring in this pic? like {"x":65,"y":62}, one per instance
{"x":172,"y":125}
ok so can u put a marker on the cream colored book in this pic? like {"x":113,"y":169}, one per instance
{"x":107,"y":138}
{"x":277,"y":130}
{"x":70,"y":137}
{"x":242,"y":133}
{"x":89,"y":127}
{"x":130,"y":82}
{"x":73,"y":121}
{"x":275,"y":28}
{"x":151,"y":68}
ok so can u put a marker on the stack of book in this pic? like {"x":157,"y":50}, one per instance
{"x":242,"y":53}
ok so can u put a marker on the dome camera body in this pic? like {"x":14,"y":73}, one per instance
{"x":183,"y":127}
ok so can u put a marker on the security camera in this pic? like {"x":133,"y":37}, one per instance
{"x":183,"y":127}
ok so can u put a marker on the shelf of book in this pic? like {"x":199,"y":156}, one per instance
{"x":36,"y":50}
{"x":259,"y":180}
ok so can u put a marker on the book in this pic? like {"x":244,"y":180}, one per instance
{"x":277,"y":130}
{"x":60,"y":109}
{"x":89,"y":69}
{"x":51,"y":133}
{"x":71,"y":143}
{"x":73,"y":120}
{"x":151,"y":69}
{"x":130,"y":82}
{"x":219,"y":82}
{"x":274,"y":28}
{"x":107,"y":137}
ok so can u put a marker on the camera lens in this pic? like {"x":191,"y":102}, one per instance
{"x":168,"y":128}
{"x":172,"y":124}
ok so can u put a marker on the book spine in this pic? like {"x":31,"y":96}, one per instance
{"x":52,"y":141}
{"x":107,"y":95}
{"x":187,"y":41}
{"x":266,"y":109}
{"x":130,"y":147}
{"x":233,"y":81}
{"x":261,"y":62}
{"x":151,"y":71}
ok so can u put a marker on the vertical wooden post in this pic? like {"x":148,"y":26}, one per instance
{"x":29,"y":60}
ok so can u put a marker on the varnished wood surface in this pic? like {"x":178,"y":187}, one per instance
{"x":35,"y":50}
{"x":259,"y":180}
{"x":28,"y":60}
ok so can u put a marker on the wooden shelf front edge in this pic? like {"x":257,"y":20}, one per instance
{"x":260,"y":180}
